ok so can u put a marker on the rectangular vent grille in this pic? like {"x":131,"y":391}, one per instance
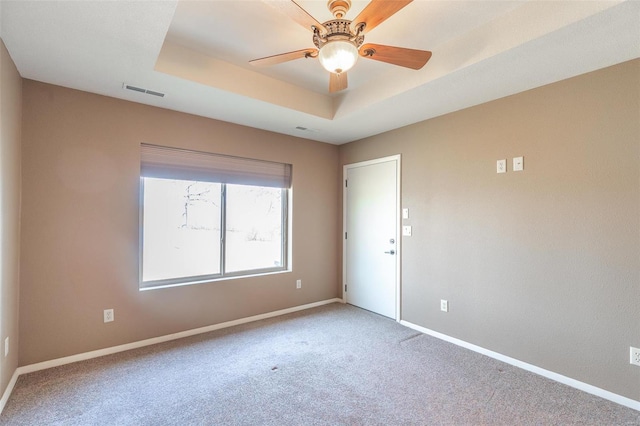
{"x":307,"y":129}
{"x":141,"y":90}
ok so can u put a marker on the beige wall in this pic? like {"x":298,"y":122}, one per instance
{"x":10,"y":131}
{"x":541,"y":265}
{"x":80,"y":224}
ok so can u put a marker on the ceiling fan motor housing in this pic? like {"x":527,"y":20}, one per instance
{"x":337,"y":29}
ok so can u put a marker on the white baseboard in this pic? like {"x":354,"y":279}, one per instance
{"x":134,"y":345}
{"x":619,"y":399}
{"x":8,"y":390}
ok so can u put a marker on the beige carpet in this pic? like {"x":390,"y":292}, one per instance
{"x":333,"y":365}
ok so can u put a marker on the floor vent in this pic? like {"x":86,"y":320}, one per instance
{"x":141,"y":90}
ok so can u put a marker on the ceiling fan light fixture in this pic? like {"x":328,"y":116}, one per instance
{"x":338,"y":56}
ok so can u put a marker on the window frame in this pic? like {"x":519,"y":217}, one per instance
{"x":223,"y":275}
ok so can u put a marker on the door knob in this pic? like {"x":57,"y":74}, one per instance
{"x":390,"y":252}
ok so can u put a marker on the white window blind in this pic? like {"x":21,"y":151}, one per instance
{"x":173,"y":163}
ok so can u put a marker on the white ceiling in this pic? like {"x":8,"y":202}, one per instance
{"x":197,"y":53}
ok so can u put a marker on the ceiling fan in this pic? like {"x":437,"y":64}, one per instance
{"x":340,"y":41}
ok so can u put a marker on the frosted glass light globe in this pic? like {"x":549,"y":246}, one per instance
{"x":338,"y":56}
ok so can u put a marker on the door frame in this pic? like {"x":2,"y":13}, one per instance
{"x":398,"y":159}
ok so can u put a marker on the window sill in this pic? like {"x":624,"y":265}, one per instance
{"x":228,"y":278}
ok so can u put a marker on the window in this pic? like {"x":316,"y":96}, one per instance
{"x":207,"y":216}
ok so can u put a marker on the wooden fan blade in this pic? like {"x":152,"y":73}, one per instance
{"x":377,"y":12}
{"x":284,"y":57}
{"x":409,"y":58}
{"x":294,"y":11}
{"x":337,"y":82}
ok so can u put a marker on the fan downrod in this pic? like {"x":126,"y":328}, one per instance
{"x":339,"y":8}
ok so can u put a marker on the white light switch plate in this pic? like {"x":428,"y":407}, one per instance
{"x":406,"y":231}
{"x":501,"y":166}
{"x":405,"y":213}
{"x":518,"y":164}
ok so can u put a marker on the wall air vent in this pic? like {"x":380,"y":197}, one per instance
{"x":141,"y":90}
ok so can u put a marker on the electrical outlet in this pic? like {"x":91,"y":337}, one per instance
{"x":108,"y":315}
{"x":6,"y":346}
{"x":298,"y":283}
{"x":444,"y":305}
{"x":635,"y":356}
{"x":501,"y":166}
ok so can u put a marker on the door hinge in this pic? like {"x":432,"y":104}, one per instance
{"x":345,"y":288}
{"x":345,"y":235}
{"x":346,"y":183}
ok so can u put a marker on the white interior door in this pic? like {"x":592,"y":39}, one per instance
{"x":371,"y":240}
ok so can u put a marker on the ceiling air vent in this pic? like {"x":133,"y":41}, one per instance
{"x":306,"y":129}
{"x":141,"y":90}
